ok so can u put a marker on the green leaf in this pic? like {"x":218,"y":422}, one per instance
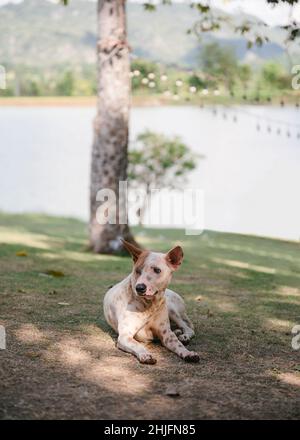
{"x":204,"y":9}
{"x":259,"y":41}
{"x":150,"y":7}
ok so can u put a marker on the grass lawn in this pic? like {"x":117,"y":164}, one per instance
{"x":242,"y":293}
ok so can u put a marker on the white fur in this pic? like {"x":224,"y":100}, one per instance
{"x":139,"y":319}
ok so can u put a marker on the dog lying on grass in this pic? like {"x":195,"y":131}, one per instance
{"x":141,"y":308}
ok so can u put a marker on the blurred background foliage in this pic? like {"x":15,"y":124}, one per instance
{"x":221,"y":61}
{"x":219,"y":72}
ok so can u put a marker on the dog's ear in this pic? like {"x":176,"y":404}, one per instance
{"x":134,"y":251}
{"x":174,"y":257}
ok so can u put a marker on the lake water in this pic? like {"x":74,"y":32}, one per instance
{"x":250,"y":178}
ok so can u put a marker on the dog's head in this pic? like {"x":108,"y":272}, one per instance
{"x":152,"y":271}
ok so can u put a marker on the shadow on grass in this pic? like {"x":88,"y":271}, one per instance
{"x":61,"y":359}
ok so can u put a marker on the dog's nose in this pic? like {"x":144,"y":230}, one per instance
{"x":141,"y":288}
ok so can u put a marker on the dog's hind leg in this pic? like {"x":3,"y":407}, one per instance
{"x":178,"y":317}
{"x":184,"y":324}
{"x":178,"y":331}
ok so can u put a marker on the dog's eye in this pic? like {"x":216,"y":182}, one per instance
{"x":156,"y":269}
{"x":138,"y":271}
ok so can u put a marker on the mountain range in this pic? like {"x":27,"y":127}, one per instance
{"x":42,"y":33}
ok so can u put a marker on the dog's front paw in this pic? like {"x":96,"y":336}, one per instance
{"x":146,"y":358}
{"x":192,"y":356}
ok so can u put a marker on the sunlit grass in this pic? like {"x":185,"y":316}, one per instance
{"x":241,"y":292}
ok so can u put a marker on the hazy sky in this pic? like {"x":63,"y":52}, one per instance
{"x":260,"y":8}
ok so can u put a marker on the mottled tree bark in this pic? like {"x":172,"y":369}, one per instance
{"x":109,"y":152}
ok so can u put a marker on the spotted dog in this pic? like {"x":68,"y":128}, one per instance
{"x":141,"y":308}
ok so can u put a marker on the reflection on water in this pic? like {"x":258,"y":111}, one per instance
{"x":251,"y":178}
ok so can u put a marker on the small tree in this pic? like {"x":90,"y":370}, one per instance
{"x":159,"y":161}
{"x":66,"y":84}
{"x":274,"y":76}
{"x":221,"y":62}
{"x":245,"y":74}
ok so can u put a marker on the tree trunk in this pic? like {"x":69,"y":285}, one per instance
{"x":109,"y":152}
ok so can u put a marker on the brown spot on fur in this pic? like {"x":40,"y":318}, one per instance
{"x":141,"y":259}
{"x":134,"y":251}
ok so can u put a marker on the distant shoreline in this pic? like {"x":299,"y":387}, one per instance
{"x":48,"y":101}
{"x":76,"y":101}
{"x":137,"y":101}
